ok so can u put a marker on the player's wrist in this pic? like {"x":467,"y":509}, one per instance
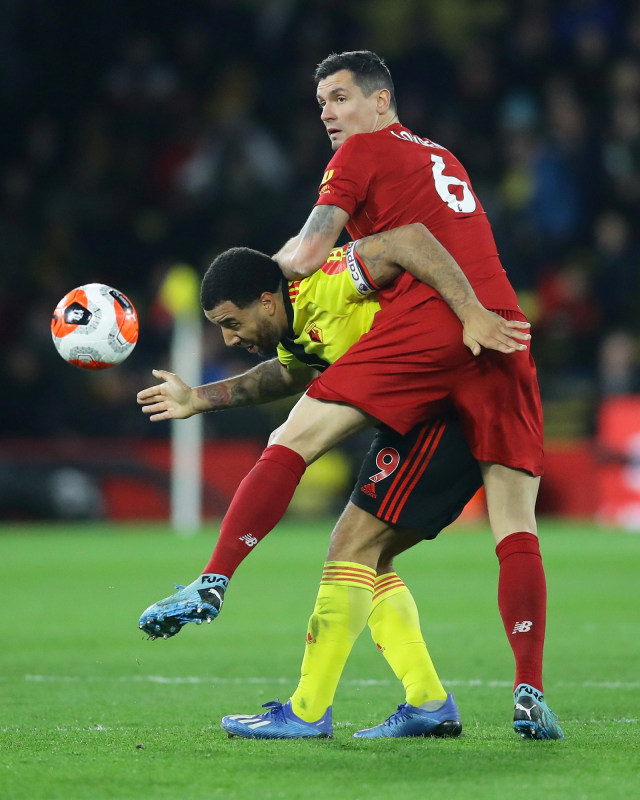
{"x":200,"y":401}
{"x":468,"y":310}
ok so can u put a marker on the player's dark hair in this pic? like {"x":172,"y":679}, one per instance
{"x":369,"y":71}
{"x":240,"y":275}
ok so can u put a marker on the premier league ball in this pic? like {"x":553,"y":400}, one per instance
{"x":94,"y":327}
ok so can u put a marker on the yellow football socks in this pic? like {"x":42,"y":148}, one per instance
{"x":340,"y":614}
{"x":395,"y":628}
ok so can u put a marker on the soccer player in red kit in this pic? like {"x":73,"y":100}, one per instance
{"x":382,"y":175}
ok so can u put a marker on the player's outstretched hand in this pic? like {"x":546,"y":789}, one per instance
{"x":483,"y":328}
{"x":172,"y":399}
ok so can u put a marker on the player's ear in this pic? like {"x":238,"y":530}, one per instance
{"x":383,"y":101}
{"x":267,"y":301}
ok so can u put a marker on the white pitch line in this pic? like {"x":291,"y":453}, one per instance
{"x":192,"y":679}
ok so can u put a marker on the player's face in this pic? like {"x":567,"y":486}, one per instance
{"x":344,"y":108}
{"x":252,"y":328}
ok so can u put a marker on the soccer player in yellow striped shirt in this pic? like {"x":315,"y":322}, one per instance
{"x":410,"y":487}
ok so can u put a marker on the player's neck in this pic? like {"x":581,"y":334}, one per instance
{"x":387,"y":120}
{"x":281,"y":318}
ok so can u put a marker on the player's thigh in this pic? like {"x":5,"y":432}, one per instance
{"x":420,"y":481}
{"x":314,"y":426}
{"x":498,"y":401}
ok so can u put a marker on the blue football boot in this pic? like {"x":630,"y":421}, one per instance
{"x":532,"y":717}
{"x":410,"y":720}
{"x":279,"y":722}
{"x":198,"y":602}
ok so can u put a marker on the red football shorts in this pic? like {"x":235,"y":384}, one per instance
{"x":412,"y":365}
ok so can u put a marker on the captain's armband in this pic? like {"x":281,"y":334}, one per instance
{"x":360,"y":276}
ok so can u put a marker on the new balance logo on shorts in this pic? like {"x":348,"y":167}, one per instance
{"x":522,"y":627}
{"x":249,"y":539}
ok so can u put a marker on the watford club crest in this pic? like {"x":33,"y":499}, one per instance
{"x":314,"y":333}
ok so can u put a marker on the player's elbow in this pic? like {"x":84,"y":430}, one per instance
{"x":304,"y":262}
{"x":418,"y":232}
{"x":296,"y":272}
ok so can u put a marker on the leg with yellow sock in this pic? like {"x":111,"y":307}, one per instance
{"x":340,"y":614}
{"x":395,"y":628}
{"x":409,"y":488}
{"x":420,"y":481}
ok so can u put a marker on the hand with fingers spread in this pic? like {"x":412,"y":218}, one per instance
{"x":172,"y":399}
{"x":482,"y":328}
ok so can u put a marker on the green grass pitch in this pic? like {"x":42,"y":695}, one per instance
{"x":91,"y":709}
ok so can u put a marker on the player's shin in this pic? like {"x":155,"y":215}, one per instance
{"x":395,"y":628}
{"x":340,"y":614}
{"x":522,"y":600}
{"x":257,"y":506}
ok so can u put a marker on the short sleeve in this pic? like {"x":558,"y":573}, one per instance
{"x":346,"y":179}
{"x":288,"y":360}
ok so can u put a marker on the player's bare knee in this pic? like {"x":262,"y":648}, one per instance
{"x":306,"y":446}
{"x":356,"y":551}
{"x":501,"y":532}
{"x":358,"y":537}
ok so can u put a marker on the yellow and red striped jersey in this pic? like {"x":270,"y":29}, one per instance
{"x":327,"y":312}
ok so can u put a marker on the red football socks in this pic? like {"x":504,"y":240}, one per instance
{"x":257,"y":506}
{"x":522,"y":600}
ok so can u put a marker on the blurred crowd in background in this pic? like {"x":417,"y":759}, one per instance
{"x":136,"y":135}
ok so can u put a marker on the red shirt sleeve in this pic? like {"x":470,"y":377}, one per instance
{"x":345,"y":182}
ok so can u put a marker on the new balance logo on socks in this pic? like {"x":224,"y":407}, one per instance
{"x":249,"y":539}
{"x":522,"y":627}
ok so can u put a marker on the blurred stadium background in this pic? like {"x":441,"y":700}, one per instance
{"x":136,"y":136}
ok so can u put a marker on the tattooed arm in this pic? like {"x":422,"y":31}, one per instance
{"x":414,"y":249}
{"x":268,"y":381}
{"x":305,"y":253}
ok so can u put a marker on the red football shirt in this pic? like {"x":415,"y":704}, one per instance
{"x":393,"y":177}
